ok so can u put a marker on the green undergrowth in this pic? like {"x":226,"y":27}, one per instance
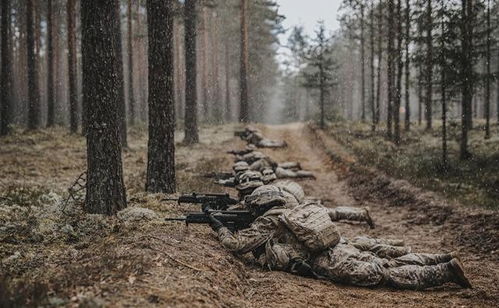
{"x":418,"y":159}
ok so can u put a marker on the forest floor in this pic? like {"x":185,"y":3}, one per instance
{"x":53,"y":254}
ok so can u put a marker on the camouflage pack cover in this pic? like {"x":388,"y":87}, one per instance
{"x":312,"y":225}
{"x":293,"y":188}
{"x":240,"y":166}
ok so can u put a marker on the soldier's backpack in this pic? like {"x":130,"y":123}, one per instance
{"x":312,"y":225}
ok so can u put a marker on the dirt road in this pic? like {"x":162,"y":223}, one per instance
{"x":166,"y":264}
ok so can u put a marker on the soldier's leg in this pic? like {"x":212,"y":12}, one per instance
{"x":424,"y":259}
{"x":383,"y":248}
{"x":348,"y":270}
{"x":351,"y":214}
{"x":417,"y":277}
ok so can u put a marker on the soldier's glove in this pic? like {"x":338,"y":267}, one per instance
{"x":215,"y":224}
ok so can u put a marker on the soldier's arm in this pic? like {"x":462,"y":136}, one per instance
{"x":248,"y":239}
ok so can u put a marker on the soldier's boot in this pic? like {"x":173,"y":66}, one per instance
{"x":458,"y":274}
{"x":369,"y":220}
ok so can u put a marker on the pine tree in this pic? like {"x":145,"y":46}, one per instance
{"x":161,"y":145}
{"x":50,"y":66}
{"x":5,"y":73}
{"x":100,"y":60}
{"x":131,"y":94}
{"x":191,"y":107}
{"x":34,"y":107}
{"x":243,"y":79}
{"x":72,"y":70}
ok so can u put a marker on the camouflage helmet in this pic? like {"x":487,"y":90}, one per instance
{"x":249,"y":180}
{"x":240,"y":166}
{"x":265,"y":197}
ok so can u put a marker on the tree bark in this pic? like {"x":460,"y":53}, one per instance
{"x":400,"y":66}
{"x":391,"y":71}
{"x":5,"y":74}
{"x":429,"y":66}
{"x":72,"y":69}
{"x":371,"y":67}
{"x":119,"y":71}
{"x":191,"y":105}
{"x":363,"y":64}
{"x":380,"y":60}
{"x":487,"y":80}
{"x":34,"y":107}
{"x":105,"y":187}
{"x":161,"y":145}
{"x":243,"y":80}
{"x":50,"y":66}
{"x":131,"y":94}
{"x":466,"y":73}
{"x":228,"y":109}
{"x":407,"y":65}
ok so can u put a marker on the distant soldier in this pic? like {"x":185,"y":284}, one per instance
{"x":304,"y":240}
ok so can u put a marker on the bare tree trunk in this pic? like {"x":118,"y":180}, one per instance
{"x":407,"y":65}
{"x":228,"y":109}
{"x":131,"y":94}
{"x":205,"y":74}
{"x":391,"y":70}
{"x":322,"y":98}
{"x":371,"y":67}
{"x":161,"y":145}
{"x":72,"y":69}
{"x":119,"y":71}
{"x":191,"y":105}
{"x":380,"y":60}
{"x":429,"y":66}
{"x":243,"y":81}
{"x":400,"y":66}
{"x":363,"y":64}
{"x":420,"y":95}
{"x":487,"y":81}
{"x":50,"y":66}
{"x":5,"y":77}
{"x":105,"y":187}
{"x":466,"y":73}
{"x":34,"y":108}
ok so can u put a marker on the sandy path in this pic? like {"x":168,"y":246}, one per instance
{"x":332,"y":183}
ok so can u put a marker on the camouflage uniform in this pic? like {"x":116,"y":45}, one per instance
{"x":345,"y":263}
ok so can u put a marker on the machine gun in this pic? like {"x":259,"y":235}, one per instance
{"x":208,"y":201}
{"x":233,"y":220}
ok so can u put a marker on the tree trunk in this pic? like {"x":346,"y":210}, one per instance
{"x":205,"y":74}
{"x":420,"y":94}
{"x":5,"y":74}
{"x":119,"y":71}
{"x":429,"y":65}
{"x":400,"y":66}
{"x":407,"y":65}
{"x":466,"y":73}
{"x":72,"y":69}
{"x":322,"y":92}
{"x":487,"y":80}
{"x":363,"y":64}
{"x":443,"y":89}
{"x":371,"y":67}
{"x":34,"y":107}
{"x":228,"y":109}
{"x":191,"y":105}
{"x":243,"y":81}
{"x":391,"y":70}
{"x":50,"y":66}
{"x":161,"y":145}
{"x":380,"y":60}
{"x":131,"y":95}
{"x":105,"y":187}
